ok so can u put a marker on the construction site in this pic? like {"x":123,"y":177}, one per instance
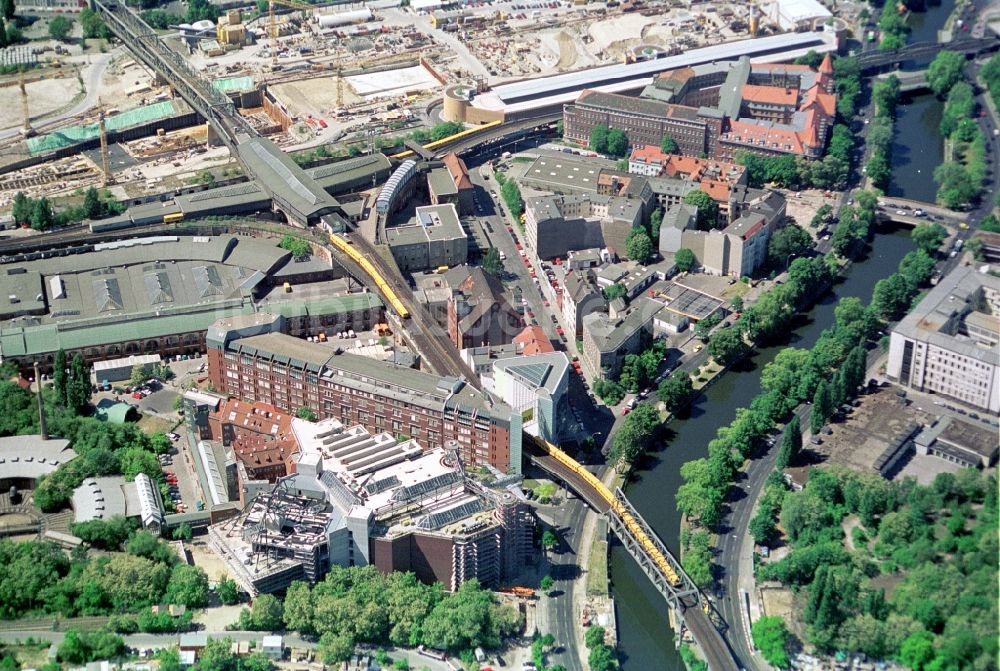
{"x":342,"y":77}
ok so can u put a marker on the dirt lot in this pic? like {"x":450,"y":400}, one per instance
{"x":858,"y":440}
{"x":316,"y":97}
{"x":44,"y":97}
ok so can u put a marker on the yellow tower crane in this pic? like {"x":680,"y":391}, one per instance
{"x":26,"y":130}
{"x":272,"y":27}
{"x":105,"y":163}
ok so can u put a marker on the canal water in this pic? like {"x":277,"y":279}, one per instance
{"x":917,"y":148}
{"x":646,"y":641}
{"x":924,"y":25}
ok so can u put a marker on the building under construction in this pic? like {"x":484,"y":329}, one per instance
{"x":359,"y":498}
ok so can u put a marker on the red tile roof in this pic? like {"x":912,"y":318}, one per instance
{"x":261,"y":433}
{"x":771,"y":95}
{"x":459,"y":173}
{"x":534,"y":340}
{"x":650,"y":155}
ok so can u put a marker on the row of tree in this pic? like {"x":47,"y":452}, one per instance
{"x":885,"y":94}
{"x":361,"y":605}
{"x":606,"y":140}
{"x":961,"y":176}
{"x":40,"y":215}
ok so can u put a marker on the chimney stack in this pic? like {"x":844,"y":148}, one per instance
{"x":41,"y":405}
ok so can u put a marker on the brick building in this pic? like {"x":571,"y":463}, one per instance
{"x":260,"y":436}
{"x":260,"y":366}
{"x":717,"y":110}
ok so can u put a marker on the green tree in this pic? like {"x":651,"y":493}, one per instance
{"x":229,"y":593}
{"x":85,"y":647}
{"x":762,"y":528}
{"x":602,"y":658}
{"x":93,"y":26}
{"x":708,"y":211}
{"x":138,"y":376}
{"x":929,"y":237}
{"x":188,"y":585}
{"x":639,"y":247}
{"x":512,"y":197}
{"x":697,"y":560}
{"x":7,"y":9}
{"x":266,"y":614}
{"x":727,"y":345}
{"x":821,"y":407}
{"x":608,"y":391}
{"x":169,"y":659}
{"x":668,"y":145}
{"x":299,"y":248}
{"x":791,"y":443}
{"x":599,"y":138}
{"x":616,"y":290}
{"x":685,"y":260}
{"x":892,"y":296}
{"x":21,"y":209}
{"x":550,"y":540}
{"x":91,"y":200}
{"x":944,"y":71}
{"x":182,"y":532}
{"x":594,"y":636}
{"x":299,"y":608}
{"x":956,"y":187}
{"x":617,"y":142}
{"x":675,"y":391}
{"x":42,"y":217}
{"x":546,"y":583}
{"x":306,"y":413}
{"x":917,"y":651}
{"x":443,"y":130}
{"x":335,"y":648}
{"x":492,"y":265}
{"x":787,"y":243}
{"x":655,"y":222}
{"x":3,"y":43}
{"x":59,"y":376}
{"x":770,"y":635}
{"x":59,"y":27}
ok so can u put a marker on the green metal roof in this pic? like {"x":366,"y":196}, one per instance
{"x":26,"y":341}
{"x":326,"y":306}
{"x":233,"y":84}
{"x":115,"y":413}
{"x":114,"y":122}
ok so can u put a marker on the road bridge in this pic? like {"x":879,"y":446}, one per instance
{"x":642,"y":543}
{"x":924,"y":51}
{"x":908,"y":81}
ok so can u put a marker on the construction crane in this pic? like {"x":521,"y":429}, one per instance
{"x":272,"y":27}
{"x":105,"y":163}
{"x":26,"y":130}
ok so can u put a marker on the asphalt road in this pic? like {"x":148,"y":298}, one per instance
{"x":565,"y":568}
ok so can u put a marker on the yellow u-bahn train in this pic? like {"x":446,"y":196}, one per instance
{"x":437,"y":144}
{"x":390,"y":294}
{"x":636,"y":529}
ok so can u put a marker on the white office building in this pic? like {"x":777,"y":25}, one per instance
{"x":950,"y":343}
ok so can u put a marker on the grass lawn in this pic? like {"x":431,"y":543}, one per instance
{"x":597,"y":568}
{"x":153,"y":424}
